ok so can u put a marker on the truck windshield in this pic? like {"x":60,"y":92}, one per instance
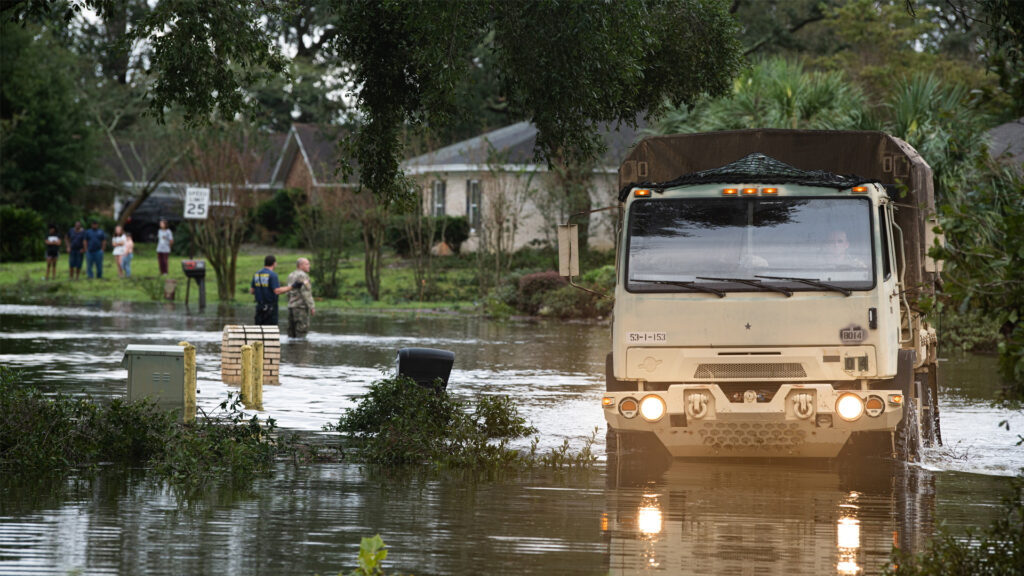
{"x":774,"y":242}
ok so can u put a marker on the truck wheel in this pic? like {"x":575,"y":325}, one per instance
{"x":908,"y":435}
{"x":927,"y":420}
{"x":611,"y":441}
{"x":612,"y":384}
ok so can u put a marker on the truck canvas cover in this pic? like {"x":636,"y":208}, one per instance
{"x":859,"y":155}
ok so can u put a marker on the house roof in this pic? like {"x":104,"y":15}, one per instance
{"x":134,"y":154}
{"x":516,"y":144}
{"x":317,"y":146}
{"x":1007,"y":143}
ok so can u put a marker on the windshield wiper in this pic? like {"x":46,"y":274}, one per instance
{"x":810,"y":282}
{"x":749,"y":282}
{"x":684,"y":284}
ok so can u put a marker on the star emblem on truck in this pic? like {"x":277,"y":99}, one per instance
{"x":748,"y":325}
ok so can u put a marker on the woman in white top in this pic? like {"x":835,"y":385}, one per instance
{"x":118,"y":242}
{"x":129,"y":253}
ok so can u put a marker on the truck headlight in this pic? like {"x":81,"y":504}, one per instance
{"x":850,"y":407}
{"x":652,"y":408}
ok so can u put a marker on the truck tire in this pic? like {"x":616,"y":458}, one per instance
{"x":611,"y":441}
{"x":927,"y":408}
{"x":904,"y":380}
{"x":611,"y":383}
{"x":908,"y":435}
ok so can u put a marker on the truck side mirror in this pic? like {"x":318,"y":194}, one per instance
{"x":568,"y":250}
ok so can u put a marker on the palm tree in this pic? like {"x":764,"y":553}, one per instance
{"x":776,"y":93}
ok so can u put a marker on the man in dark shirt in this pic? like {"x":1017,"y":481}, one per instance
{"x":76,"y":250}
{"x":95,"y":244}
{"x":266,"y":287}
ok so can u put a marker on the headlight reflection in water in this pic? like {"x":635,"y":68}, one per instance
{"x":848,"y":543}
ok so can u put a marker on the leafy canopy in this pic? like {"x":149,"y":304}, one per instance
{"x":568,"y":66}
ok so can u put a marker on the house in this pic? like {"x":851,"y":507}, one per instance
{"x":510,"y":200}
{"x":1006,"y":143}
{"x":153,"y":168}
{"x":308,"y":160}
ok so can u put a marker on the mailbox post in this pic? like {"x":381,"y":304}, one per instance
{"x":195,"y":270}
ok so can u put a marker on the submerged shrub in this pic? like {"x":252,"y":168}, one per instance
{"x":227,"y":445}
{"x":42,"y":435}
{"x":400,"y":422}
{"x":52,"y":435}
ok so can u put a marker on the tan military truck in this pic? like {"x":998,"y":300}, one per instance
{"x":765,"y":299}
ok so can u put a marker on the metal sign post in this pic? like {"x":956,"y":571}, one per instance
{"x":197,"y":207}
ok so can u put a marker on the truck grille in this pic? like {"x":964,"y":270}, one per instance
{"x":754,"y":370}
{"x":734,"y":435}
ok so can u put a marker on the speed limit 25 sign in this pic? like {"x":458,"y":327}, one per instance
{"x":197,"y":203}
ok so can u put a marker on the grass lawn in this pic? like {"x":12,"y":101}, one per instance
{"x":455,"y":281}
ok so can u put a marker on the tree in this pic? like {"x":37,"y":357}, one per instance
{"x":223,"y":157}
{"x":322,"y":225}
{"x":566,"y":65}
{"x":204,"y":54}
{"x":501,"y":213}
{"x":777,"y":93}
{"x":46,"y":143}
{"x":311,"y":91}
{"x":991,"y":32}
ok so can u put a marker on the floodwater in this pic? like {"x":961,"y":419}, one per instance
{"x":624,"y":518}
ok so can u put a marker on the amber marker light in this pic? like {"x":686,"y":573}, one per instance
{"x":749,"y":191}
{"x":895,"y":399}
{"x":607,"y":401}
{"x":629,"y":407}
{"x":730,"y":192}
{"x":769,"y":191}
{"x":860,"y":189}
{"x":642,"y":193}
{"x":874,"y":406}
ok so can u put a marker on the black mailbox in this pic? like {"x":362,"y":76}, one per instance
{"x":194,"y":268}
{"x":425,"y":365}
{"x":195,"y":271}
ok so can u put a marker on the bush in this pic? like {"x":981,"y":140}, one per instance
{"x":400,"y":422}
{"x":277,"y":214}
{"x":456,"y":231}
{"x":532,"y":288}
{"x":44,"y":435}
{"x":22,"y":231}
{"x":41,"y":435}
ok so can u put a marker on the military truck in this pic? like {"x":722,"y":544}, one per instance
{"x":766,"y":298}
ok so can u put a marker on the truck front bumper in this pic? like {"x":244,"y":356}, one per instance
{"x":800,"y":421}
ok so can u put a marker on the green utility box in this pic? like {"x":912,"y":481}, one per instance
{"x":158,"y":373}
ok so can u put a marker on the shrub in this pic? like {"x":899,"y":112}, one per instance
{"x":532,"y":288}
{"x":400,"y":422}
{"x":456,"y":231}
{"x":44,"y":435}
{"x":21,"y":234}
{"x":227,"y":446}
{"x":277,"y":214}
{"x":39,"y":434}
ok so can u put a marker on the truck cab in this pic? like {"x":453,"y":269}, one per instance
{"x":761,"y":310}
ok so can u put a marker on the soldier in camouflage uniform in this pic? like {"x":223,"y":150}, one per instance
{"x":300,"y":300}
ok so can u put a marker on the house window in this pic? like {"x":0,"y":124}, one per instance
{"x":437,"y":197}
{"x":473,"y":203}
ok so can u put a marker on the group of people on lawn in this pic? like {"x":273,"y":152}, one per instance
{"x":88,"y":245}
